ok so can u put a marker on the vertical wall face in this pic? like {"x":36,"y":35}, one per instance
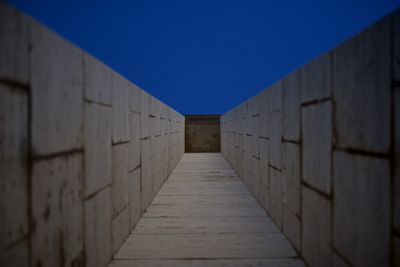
{"x":82,"y":150}
{"x":202,"y":133}
{"x":320,"y":151}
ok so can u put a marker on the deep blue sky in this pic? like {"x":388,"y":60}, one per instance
{"x":206,"y":56}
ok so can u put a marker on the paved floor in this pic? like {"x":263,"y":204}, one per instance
{"x":205,"y":216}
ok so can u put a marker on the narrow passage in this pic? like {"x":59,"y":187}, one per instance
{"x":205,"y":216}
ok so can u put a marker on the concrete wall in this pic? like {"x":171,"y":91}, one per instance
{"x":82,"y":150}
{"x":202,"y":133}
{"x":320,"y":150}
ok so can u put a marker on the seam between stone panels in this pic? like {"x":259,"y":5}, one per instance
{"x":341,"y":256}
{"x":135,"y":168}
{"x":206,"y":259}
{"x":119,"y":143}
{"x":30,"y":151}
{"x":392,"y":151}
{"x":15,"y":243}
{"x":290,"y":141}
{"x":273,"y":167}
{"x":95,"y":102}
{"x":316,"y":190}
{"x":333,"y":142}
{"x":92,"y":195}
{"x":301,"y":164}
{"x":120,"y":211}
{"x":294,"y":213}
{"x":363,"y":153}
{"x":57,"y":154}
{"x":14,"y":85}
{"x":83,"y":161}
{"x":315,"y":101}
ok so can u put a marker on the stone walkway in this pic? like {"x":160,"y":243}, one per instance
{"x":205,"y":216}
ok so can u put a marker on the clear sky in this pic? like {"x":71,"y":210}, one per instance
{"x":206,"y":56}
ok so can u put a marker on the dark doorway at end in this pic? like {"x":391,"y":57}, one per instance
{"x":202,"y":133}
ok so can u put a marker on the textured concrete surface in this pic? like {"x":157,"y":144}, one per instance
{"x":82,"y":150}
{"x":205,"y":216}
{"x":202,"y":133}
{"x":328,"y":139}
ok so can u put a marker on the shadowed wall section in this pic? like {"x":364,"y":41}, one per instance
{"x":202,"y":133}
{"x":320,"y":151}
{"x":82,"y":150}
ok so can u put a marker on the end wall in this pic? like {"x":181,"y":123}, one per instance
{"x":320,"y":150}
{"x":82,"y":150}
{"x":202,"y":133}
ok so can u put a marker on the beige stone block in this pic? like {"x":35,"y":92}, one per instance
{"x":362,"y":194}
{"x":134,"y":98}
{"x":120,"y":184}
{"x":291,"y":177}
{"x":57,"y":211}
{"x":98,"y":80}
{"x":275,"y":97}
{"x":98,"y":213}
{"x":275,"y":196}
{"x":396,"y":197}
{"x":291,"y":107}
{"x":291,"y":226}
{"x":316,"y":80}
{"x":57,"y":95}
{"x":120,"y":229}
{"x":17,"y":255}
{"x":264,"y":162}
{"x":337,"y":261}
{"x":120,"y":110}
{"x":144,"y":115}
{"x":275,"y":139}
{"x":362,"y":84}
{"x":13,"y":165}
{"x":134,"y":142}
{"x":317,"y":145}
{"x":316,"y":229}
{"x":395,"y":17}
{"x":97,"y":147}
{"x":135,"y":198}
{"x":14,"y":44}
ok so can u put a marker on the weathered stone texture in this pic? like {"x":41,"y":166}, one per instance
{"x":316,"y":79}
{"x":134,"y":142}
{"x":362,"y":195}
{"x":275,"y":139}
{"x":97,"y":147}
{"x":120,"y":184}
{"x":18,"y":255}
{"x":13,"y":165}
{"x":396,"y":44}
{"x":98,"y":213}
{"x":316,"y":228}
{"x":291,"y":177}
{"x":362,"y":90}
{"x":396,"y":202}
{"x":317,"y":145}
{"x":291,"y":107}
{"x":120,"y":110}
{"x":291,"y":226}
{"x":120,"y":229}
{"x":275,"y":196}
{"x":57,"y":210}
{"x":275,"y":97}
{"x":135,"y":200}
{"x":98,"y":80}
{"x":57,"y":95}
{"x":14,"y":45}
